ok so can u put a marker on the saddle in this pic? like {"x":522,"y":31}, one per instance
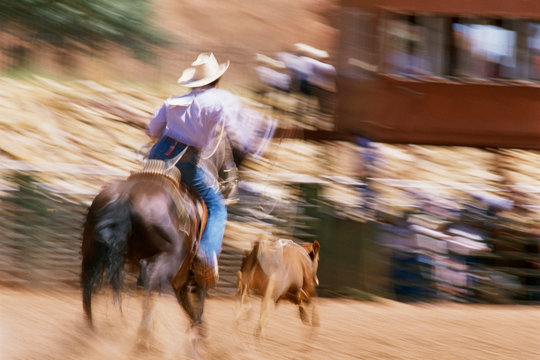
{"x":188,"y":204}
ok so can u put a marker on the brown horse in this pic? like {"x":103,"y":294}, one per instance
{"x":281,"y":270}
{"x":152,"y":223}
{"x":149,"y":222}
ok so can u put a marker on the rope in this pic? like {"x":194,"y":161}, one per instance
{"x":217,"y":146}
{"x":177,"y":158}
{"x":268,"y":207}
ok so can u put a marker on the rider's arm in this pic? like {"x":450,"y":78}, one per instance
{"x":157,"y":124}
{"x":248,"y":129}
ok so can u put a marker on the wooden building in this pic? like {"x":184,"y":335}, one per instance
{"x":454,"y":72}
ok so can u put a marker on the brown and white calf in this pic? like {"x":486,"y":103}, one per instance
{"x":280,"y":270}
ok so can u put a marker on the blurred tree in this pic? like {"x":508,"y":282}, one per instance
{"x":83,"y":25}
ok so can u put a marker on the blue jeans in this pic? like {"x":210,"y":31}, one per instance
{"x":199,"y":180}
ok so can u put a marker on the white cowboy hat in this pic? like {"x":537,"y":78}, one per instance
{"x":204,"y":70}
{"x":310,"y":51}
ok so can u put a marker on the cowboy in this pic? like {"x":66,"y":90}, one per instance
{"x":190,"y":122}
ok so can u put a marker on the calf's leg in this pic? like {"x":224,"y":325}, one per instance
{"x":315,"y":322}
{"x":243,"y":290}
{"x":268,"y":297}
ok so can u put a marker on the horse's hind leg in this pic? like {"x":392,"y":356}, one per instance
{"x":87,"y":289}
{"x":143,"y":332}
{"x":148,"y":278}
{"x":142,"y":279}
{"x":87,"y":304}
{"x":91,"y":270}
{"x":191,"y":297}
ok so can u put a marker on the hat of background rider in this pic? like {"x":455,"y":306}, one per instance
{"x":204,"y":70}
{"x":307,"y":50}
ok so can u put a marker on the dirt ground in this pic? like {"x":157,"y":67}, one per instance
{"x":49,"y":325}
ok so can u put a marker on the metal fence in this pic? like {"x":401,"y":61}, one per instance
{"x":41,"y":226}
{"x":41,"y":231}
{"x":467,"y":255}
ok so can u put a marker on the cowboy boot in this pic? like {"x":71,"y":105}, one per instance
{"x":206,"y":270}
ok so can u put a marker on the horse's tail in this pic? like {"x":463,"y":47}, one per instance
{"x":113,"y":226}
{"x":109,"y":227}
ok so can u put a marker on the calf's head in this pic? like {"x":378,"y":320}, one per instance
{"x":313,"y":251}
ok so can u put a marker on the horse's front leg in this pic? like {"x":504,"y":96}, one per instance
{"x":199,"y":293}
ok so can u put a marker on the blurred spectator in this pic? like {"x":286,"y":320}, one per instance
{"x":311,"y":75}
{"x":534,"y":52}
{"x":484,"y":50}
{"x":407,"y":48}
{"x":270,"y":72}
